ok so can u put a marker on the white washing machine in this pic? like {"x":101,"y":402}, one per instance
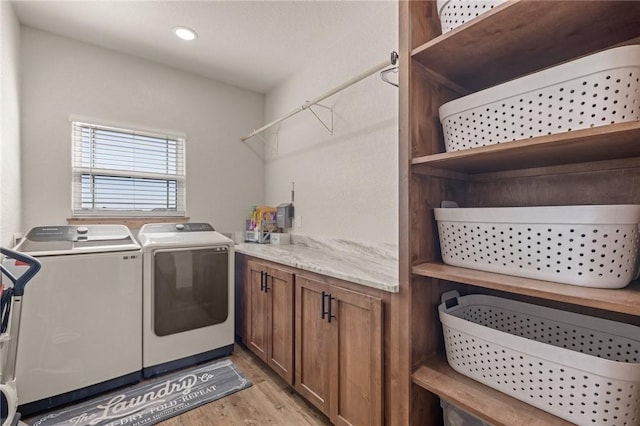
{"x":188,"y":273}
{"x":81,"y":328}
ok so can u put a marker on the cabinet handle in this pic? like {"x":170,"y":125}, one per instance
{"x":324,"y":312}
{"x":262,"y":285}
{"x":266,"y":282}
{"x":330,"y":297}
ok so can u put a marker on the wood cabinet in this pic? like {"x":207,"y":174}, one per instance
{"x":313,"y":341}
{"x":590,"y":166}
{"x":331,"y":331}
{"x":339,"y":352}
{"x":269,"y":316}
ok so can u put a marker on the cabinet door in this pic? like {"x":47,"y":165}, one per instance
{"x":356,"y":358}
{"x":312,"y":368}
{"x":280,"y":333}
{"x":257,"y":310}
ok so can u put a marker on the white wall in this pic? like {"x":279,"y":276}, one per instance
{"x":9,"y":124}
{"x":346,"y":185}
{"x":62,"y":77}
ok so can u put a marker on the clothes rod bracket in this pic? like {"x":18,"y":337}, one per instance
{"x":393,"y":69}
{"x":328,"y":127}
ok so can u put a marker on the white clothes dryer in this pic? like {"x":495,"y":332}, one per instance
{"x":81,"y":328}
{"x":188,"y":274}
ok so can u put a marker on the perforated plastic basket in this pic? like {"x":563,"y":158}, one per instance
{"x":596,"y":90}
{"x":454,"y":13}
{"x":583,"y":369}
{"x":590,"y":246}
{"x":456,"y":416}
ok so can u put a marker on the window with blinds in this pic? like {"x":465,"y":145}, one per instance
{"x":119,"y":172}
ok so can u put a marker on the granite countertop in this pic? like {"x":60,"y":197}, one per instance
{"x":372,"y":265}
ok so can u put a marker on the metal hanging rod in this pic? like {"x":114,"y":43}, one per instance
{"x":392,"y":61}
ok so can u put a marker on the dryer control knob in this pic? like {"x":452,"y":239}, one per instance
{"x":82,"y":230}
{"x":179,"y":226}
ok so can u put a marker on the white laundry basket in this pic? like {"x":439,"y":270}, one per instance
{"x":583,"y":369}
{"x":590,"y":246}
{"x":600,"y":89}
{"x":453,"y":415}
{"x":454,"y":13}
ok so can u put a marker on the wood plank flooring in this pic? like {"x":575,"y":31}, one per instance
{"x":270,"y":401}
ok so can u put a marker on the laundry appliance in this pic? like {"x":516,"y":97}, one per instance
{"x":81,"y":328}
{"x":188,"y":272}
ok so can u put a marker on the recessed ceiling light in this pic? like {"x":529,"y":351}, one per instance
{"x":185,"y":33}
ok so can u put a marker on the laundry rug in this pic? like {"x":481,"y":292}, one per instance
{"x":151,"y":402}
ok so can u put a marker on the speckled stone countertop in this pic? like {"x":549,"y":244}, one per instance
{"x":372,"y":265}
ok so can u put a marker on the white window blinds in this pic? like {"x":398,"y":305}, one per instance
{"x":119,"y":172}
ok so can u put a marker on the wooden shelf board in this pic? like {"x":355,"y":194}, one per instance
{"x":482,"y":401}
{"x":501,"y":44}
{"x":614,"y":141}
{"x":625,"y":300}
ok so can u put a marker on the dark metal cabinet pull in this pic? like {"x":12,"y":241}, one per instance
{"x":327,"y":312}
{"x":323,"y":304}
{"x":262,"y":285}
{"x":330,"y":307}
{"x":266,"y":282}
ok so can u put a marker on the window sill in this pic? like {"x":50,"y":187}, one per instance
{"x":131,"y":222}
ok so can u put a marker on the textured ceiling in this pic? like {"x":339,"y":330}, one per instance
{"x":250,"y":44}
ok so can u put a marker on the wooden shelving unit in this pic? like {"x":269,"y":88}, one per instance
{"x":520,"y":37}
{"x":479,"y":400}
{"x":626,"y":300}
{"x":600,"y":165}
{"x":612,"y":142}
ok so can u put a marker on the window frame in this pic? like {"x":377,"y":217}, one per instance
{"x":78,"y":170}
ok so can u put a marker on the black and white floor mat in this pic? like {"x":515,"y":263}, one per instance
{"x":153,"y":401}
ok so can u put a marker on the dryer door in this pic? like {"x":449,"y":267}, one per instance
{"x":190,"y":289}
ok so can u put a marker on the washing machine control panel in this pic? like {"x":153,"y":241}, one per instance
{"x":75,"y":233}
{"x":177,"y":227}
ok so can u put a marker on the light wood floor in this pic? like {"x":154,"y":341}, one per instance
{"x":270,"y":401}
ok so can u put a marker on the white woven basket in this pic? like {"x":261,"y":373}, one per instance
{"x":454,"y":13}
{"x":583,"y":369}
{"x":596,"y":90}
{"x":589,"y":246}
{"x":456,"y":416}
